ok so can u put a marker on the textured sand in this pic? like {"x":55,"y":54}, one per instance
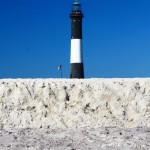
{"x":74,"y":114}
{"x":110,"y":138}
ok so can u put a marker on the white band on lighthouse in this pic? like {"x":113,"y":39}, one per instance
{"x":76,"y":51}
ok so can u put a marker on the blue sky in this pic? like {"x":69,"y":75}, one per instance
{"x":35,"y":38}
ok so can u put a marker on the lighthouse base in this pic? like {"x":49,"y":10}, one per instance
{"x":77,"y":70}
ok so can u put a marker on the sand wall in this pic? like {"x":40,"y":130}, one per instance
{"x":64,"y":103}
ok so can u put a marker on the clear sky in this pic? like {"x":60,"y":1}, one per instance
{"x":35,"y":38}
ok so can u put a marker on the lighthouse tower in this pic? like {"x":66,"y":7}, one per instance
{"x":76,"y":58}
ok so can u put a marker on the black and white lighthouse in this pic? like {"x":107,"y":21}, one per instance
{"x":76,"y":56}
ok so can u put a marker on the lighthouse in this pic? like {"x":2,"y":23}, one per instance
{"x":76,"y":54}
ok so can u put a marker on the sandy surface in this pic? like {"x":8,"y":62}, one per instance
{"x":57,"y":114}
{"x":111,"y":138}
{"x":56,"y":103}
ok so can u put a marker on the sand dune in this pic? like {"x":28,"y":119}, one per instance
{"x":71,"y":106}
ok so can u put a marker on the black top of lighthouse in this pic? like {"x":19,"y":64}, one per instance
{"x":76,"y":10}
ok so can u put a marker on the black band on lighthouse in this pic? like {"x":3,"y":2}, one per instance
{"x":76,"y":28}
{"x":77,"y":70}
